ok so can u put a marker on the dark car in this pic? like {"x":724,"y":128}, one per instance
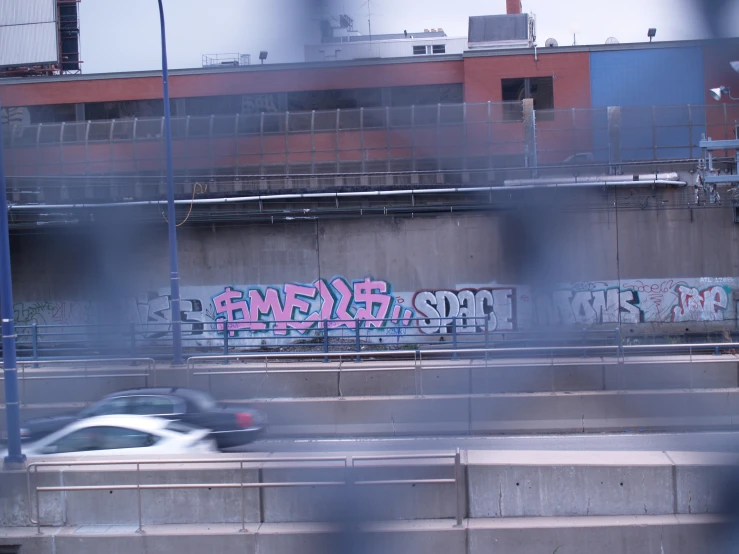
{"x":230,"y":427}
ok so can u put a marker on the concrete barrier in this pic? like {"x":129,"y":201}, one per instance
{"x":54,"y":384}
{"x":587,"y":412}
{"x":566,"y":484}
{"x":627,"y":535}
{"x":585,"y":535}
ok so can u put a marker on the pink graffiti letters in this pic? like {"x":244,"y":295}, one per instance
{"x":302,"y":307}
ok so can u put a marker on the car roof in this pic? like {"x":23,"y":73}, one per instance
{"x":169,"y":391}
{"x":137,"y":422}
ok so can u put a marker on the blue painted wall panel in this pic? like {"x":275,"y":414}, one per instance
{"x":637,"y":80}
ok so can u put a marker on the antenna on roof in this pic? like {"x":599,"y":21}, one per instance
{"x":370,"y":4}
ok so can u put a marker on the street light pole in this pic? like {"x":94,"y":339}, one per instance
{"x":10,"y":371}
{"x":174,"y":275}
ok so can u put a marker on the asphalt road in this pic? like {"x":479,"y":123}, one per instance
{"x":713,"y":441}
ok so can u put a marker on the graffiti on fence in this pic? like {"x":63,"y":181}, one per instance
{"x":474,"y":310}
{"x":302,"y":307}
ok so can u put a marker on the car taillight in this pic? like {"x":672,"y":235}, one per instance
{"x":244,"y":420}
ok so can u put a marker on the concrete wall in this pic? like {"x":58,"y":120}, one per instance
{"x":649,"y":264}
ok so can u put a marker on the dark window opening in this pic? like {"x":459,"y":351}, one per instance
{"x":426,"y":95}
{"x":339,"y":99}
{"x":96,"y":111}
{"x":540,"y":89}
{"x":439,"y":48}
{"x":419,"y":50}
{"x":10,"y":549}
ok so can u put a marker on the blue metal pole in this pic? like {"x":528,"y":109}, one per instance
{"x":172,"y":225}
{"x":10,"y":370}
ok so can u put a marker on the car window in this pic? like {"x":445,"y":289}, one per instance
{"x":114,"y":438}
{"x":103,"y":438}
{"x":82,"y":440}
{"x":152,"y":405}
{"x":109,"y":406}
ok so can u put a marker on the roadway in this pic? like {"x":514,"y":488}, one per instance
{"x":710,"y":441}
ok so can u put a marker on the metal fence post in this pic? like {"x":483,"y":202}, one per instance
{"x":619,"y":345}
{"x":132,"y":328}
{"x":358,"y":340}
{"x":458,"y":483}
{"x":614,"y":140}
{"x":34,"y":341}
{"x":454,"y":336}
{"x":487,"y":332}
{"x":529,"y":123}
{"x":325,"y":340}
{"x":225,"y":341}
{"x":138,"y":494}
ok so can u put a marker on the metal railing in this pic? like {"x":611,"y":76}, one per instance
{"x":346,"y":463}
{"x":129,"y":340}
{"x":443,"y":137}
{"x":489,"y":359}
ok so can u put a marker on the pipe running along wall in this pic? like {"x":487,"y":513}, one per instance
{"x":665,"y":179}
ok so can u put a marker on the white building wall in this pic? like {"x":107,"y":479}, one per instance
{"x":399,"y":48}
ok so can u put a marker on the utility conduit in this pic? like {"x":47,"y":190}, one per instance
{"x":663,"y":180}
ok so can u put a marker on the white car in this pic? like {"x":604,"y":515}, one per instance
{"x":123,"y":435}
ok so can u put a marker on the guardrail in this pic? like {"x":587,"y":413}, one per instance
{"x":604,"y":355}
{"x":347,"y":464}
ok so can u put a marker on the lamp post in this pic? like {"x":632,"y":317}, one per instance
{"x":174,"y":276}
{"x":10,"y":371}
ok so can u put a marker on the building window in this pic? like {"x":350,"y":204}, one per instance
{"x":439,"y":48}
{"x":540,"y":89}
{"x":419,"y":50}
{"x":427,"y":95}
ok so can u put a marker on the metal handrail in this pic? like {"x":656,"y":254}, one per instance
{"x":348,"y":462}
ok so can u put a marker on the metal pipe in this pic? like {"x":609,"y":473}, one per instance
{"x":10,"y":371}
{"x":174,"y":277}
{"x":649,"y":178}
{"x":309,"y":195}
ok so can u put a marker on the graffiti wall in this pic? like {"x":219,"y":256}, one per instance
{"x":281,"y":314}
{"x":636,"y":301}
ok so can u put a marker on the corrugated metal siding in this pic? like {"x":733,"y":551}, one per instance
{"x":23,"y":12}
{"x":637,"y":80}
{"x":28,"y":44}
